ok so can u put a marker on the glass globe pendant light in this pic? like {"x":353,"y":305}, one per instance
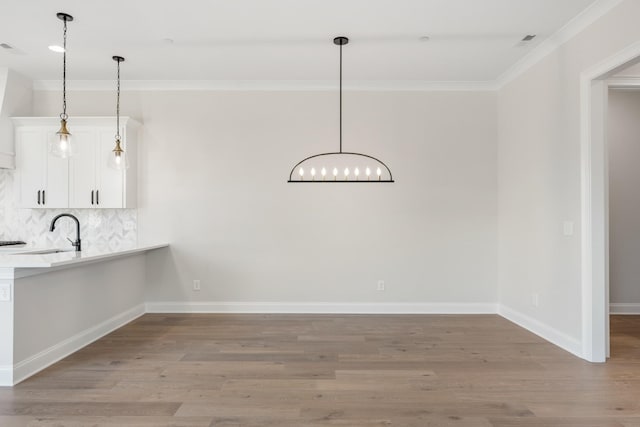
{"x":62,"y":145}
{"x":118,"y":159}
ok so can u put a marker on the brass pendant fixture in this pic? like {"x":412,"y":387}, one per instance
{"x":62,"y":145}
{"x":345,"y":166}
{"x":118,"y":159}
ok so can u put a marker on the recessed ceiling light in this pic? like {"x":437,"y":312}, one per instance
{"x":57,"y":49}
{"x":424,"y":38}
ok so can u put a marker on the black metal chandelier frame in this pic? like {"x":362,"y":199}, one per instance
{"x":341,"y":41}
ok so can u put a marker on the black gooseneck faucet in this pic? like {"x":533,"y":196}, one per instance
{"x":77,"y":243}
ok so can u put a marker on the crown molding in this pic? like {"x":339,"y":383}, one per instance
{"x":568,"y":31}
{"x":587,"y":17}
{"x":266,"y":85}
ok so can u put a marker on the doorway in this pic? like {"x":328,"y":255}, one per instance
{"x":594,"y":93}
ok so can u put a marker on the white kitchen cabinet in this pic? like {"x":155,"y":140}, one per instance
{"x":88,"y":181}
{"x":42,"y":180}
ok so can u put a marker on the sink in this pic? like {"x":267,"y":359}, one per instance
{"x":45,"y":252}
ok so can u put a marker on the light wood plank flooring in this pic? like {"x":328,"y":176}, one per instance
{"x":331,"y":370}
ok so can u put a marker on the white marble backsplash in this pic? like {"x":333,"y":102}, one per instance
{"x":99,"y":228}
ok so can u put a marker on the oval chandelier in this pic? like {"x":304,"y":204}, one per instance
{"x":340,"y":166}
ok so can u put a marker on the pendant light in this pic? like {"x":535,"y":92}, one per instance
{"x":118,"y":159}
{"x":62,"y":145}
{"x":349,"y":163}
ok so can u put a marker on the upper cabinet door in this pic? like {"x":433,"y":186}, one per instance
{"x":57,"y":189}
{"x":43,"y":179}
{"x":82,"y":166}
{"x":31,"y":164}
{"x":110,"y":181}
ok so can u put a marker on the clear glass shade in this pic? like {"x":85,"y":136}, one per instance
{"x":118,"y":158}
{"x":62,"y":144}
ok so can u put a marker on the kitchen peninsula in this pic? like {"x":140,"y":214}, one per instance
{"x":54,"y":303}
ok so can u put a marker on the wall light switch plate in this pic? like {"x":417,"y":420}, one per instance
{"x":5,"y":292}
{"x":567,"y":228}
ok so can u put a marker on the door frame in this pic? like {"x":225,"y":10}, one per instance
{"x":594,"y":87}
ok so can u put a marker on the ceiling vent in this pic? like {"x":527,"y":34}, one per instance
{"x":526,"y":40}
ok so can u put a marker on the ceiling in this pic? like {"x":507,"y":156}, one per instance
{"x":470,"y":40}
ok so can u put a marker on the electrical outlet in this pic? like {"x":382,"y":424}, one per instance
{"x":381,"y":285}
{"x":535,"y":299}
{"x":5,"y":292}
{"x":196,"y":285}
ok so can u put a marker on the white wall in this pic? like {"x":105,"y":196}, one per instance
{"x":16,"y":94}
{"x":624,"y":198}
{"x":213,"y":184}
{"x":539,"y":175}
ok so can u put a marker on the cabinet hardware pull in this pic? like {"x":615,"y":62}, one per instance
{"x":43,"y":200}
{"x":91,"y":196}
{"x":97,"y":197}
{"x":38,"y":196}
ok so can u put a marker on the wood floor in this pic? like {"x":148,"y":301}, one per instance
{"x":331,"y":370}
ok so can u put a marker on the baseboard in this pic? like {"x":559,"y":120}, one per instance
{"x":36,"y":363}
{"x":321,"y":308}
{"x":624,"y":308}
{"x":51,"y":355}
{"x":562,"y":340}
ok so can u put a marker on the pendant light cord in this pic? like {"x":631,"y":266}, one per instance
{"x":341,"y":98}
{"x":118,"y":105}
{"x":64,"y":116}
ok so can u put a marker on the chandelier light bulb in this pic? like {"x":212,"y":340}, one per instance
{"x":379,"y":173}
{"x":367,"y":171}
{"x":356,"y":173}
{"x":346,"y":174}
{"x":301,"y":172}
{"x":323,"y":172}
{"x":335,"y":173}
{"x":313,"y":173}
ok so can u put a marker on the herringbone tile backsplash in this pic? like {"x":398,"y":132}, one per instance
{"x":100,"y":228}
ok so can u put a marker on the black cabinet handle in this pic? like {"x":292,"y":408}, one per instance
{"x":38,"y":196}
{"x":43,"y":200}
{"x":97,"y":197}
{"x":91,"y":196}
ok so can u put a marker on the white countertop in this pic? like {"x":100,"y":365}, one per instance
{"x":19,"y":258}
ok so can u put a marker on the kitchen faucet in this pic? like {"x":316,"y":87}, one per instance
{"x":76,"y":244}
